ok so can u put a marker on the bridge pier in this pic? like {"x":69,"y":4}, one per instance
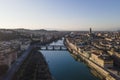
{"x":60,"y":47}
{"x":46,"y":47}
{"x":53,"y":48}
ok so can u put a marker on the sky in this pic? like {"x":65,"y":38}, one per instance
{"x":60,"y":14}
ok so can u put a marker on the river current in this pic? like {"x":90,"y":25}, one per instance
{"x":63,"y":66}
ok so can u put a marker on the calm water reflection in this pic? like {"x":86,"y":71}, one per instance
{"x":64,"y":67}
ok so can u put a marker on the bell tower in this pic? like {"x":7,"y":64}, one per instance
{"x":90,"y":31}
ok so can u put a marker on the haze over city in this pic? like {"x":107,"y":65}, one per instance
{"x":60,"y":14}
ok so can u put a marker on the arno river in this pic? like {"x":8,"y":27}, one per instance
{"x":64,"y":67}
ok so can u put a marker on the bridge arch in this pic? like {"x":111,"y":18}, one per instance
{"x":52,"y":47}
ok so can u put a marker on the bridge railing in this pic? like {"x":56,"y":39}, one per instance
{"x":52,"y":47}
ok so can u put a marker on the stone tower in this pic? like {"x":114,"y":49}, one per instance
{"x":90,"y":31}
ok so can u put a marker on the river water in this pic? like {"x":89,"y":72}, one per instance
{"x":64,"y":67}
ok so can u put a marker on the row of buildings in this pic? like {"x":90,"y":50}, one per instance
{"x":11,"y":48}
{"x":101,"y":48}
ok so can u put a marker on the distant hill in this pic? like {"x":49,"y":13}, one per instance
{"x":29,"y":30}
{"x":41,"y":30}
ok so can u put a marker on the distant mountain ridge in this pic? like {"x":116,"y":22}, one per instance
{"x":27,"y":30}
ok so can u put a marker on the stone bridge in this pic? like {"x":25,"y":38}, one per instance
{"x":52,"y":47}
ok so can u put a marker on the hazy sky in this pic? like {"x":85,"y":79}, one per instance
{"x":60,"y":14}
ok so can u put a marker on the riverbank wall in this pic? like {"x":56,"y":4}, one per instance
{"x":96,"y":69}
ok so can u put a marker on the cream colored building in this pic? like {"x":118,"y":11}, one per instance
{"x":101,"y":59}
